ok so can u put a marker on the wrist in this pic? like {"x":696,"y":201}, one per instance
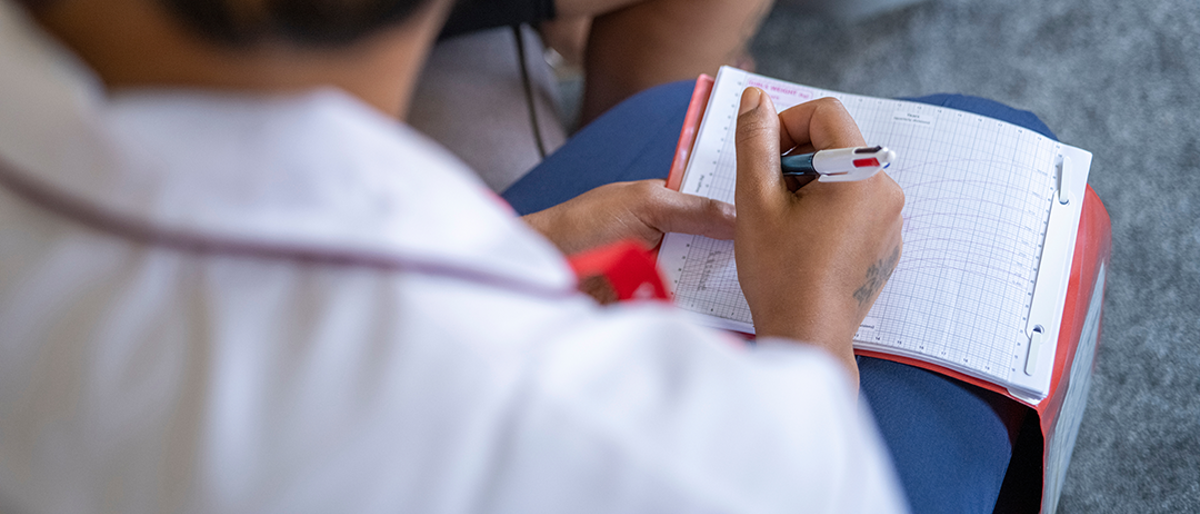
{"x":812,"y":329}
{"x":547,"y":223}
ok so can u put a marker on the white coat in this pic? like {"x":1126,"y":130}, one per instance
{"x":237,"y":303}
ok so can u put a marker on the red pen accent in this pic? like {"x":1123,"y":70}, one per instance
{"x":863,"y":163}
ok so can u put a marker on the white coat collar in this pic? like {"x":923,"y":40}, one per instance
{"x":319,"y":171}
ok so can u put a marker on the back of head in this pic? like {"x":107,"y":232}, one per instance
{"x":309,"y":23}
{"x":372,"y":49}
{"x":303,"y":22}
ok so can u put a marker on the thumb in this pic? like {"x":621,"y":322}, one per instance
{"x":759,"y":181}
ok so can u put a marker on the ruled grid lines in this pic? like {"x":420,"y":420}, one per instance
{"x":978,"y":197}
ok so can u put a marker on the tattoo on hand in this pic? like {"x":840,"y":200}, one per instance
{"x":877,"y":276}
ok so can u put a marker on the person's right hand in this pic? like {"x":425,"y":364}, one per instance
{"x":811,"y":262}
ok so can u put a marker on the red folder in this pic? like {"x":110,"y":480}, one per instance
{"x":1059,"y":414}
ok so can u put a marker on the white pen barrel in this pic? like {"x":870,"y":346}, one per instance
{"x":836,"y":160}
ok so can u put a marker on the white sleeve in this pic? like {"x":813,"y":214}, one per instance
{"x":638,"y":411}
{"x":333,"y":391}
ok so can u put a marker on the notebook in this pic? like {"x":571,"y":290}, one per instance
{"x":990,"y":221}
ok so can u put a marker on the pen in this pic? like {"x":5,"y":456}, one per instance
{"x":839,"y":165}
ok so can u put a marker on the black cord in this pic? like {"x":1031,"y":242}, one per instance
{"x":528,"y":83}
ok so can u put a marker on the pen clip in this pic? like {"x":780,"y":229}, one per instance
{"x":851,"y":176}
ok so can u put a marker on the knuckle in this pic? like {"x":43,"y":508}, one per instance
{"x":895,"y":197}
{"x":829,"y":102}
{"x":713,"y":209}
{"x":657,"y":201}
{"x":888,"y":195}
{"x":750,"y":128}
{"x":645,"y":190}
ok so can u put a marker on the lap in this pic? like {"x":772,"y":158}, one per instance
{"x":633,"y":141}
{"x":951,"y":442}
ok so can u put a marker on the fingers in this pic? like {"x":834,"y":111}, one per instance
{"x":759,"y":181}
{"x":672,"y":211}
{"x":820,"y":124}
{"x":642,"y":210}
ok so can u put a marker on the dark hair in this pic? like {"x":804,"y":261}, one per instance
{"x":325,"y":23}
{"x":33,"y":4}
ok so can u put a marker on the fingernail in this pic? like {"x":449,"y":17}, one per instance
{"x":751,"y":98}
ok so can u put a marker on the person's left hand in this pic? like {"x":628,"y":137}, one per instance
{"x":643,"y":211}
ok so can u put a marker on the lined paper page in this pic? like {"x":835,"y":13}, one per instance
{"x":978,"y":196}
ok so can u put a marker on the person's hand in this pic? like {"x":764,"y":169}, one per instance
{"x":811,"y":262}
{"x":643,"y":210}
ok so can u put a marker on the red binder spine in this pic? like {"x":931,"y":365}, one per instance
{"x":691,"y":125}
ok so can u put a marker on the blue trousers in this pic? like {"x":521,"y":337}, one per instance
{"x":951,"y":442}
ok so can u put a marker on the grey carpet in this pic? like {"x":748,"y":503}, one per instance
{"x":1121,"y":79}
